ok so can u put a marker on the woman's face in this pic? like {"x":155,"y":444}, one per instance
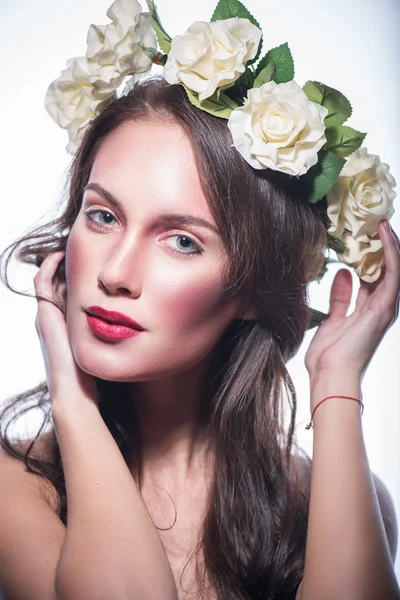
{"x":136,"y":256}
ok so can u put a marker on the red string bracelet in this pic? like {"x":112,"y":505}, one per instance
{"x":327,"y":398}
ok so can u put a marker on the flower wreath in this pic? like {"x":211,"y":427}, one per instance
{"x":274,"y":123}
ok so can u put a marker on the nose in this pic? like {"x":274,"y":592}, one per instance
{"x":121,"y":269}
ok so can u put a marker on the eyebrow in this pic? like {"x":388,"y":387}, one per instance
{"x":168,"y":217}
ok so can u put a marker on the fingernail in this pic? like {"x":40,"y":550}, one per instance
{"x":386,"y":224}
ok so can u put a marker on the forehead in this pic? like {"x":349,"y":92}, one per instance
{"x":151,"y":164}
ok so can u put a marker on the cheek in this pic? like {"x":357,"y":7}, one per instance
{"x":189,"y":315}
{"x":76,"y":261}
{"x":193,"y":299}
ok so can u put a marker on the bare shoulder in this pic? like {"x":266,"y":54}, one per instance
{"x":43,"y":449}
{"x":31,"y":533}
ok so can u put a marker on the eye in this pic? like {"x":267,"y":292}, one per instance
{"x":103,"y":219}
{"x":187,"y":245}
{"x":100,"y":218}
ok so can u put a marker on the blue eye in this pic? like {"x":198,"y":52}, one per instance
{"x":187,"y":244}
{"x":102,"y":219}
{"x":108,"y":217}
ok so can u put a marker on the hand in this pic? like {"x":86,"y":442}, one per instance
{"x":66,"y":381}
{"x":343,"y":345}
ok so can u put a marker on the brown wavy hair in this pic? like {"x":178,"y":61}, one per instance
{"x":254,"y":534}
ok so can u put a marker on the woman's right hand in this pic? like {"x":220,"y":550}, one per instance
{"x":66,"y":381}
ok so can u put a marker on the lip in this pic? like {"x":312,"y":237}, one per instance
{"x":110,"y":331}
{"x":112,"y":317}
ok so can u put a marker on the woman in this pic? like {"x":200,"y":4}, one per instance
{"x":193,"y":385}
{"x":168,"y":440}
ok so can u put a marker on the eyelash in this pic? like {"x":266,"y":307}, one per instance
{"x":90,"y":219}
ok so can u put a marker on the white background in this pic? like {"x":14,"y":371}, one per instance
{"x":352,"y":46}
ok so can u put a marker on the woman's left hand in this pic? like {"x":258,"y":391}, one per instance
{"x":344,"y":345}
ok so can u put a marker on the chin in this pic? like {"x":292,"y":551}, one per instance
{"x":99,"y":366}
{"x":98,"y":363}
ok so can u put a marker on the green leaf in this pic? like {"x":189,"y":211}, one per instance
{"x":320,"y":178}
{"x":164,"y":40}
{"x":227,"y":9}
{"x":267,"y":74}
{"x":343,"y":140}
{"x":336,"y":244}
{"x":284,"y":65}
{"x":316,"y":318}
{"x":247,"y":79}
{"x":228,"y":87}
{"x":219,"y":107}
{"x":236,"y":92}
{"x":339,"y":108}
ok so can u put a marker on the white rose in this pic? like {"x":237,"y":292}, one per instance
{"x":366,"y":257}
{"x":117,"y":49}
{"x":279,"y":128}
{"x":75,"y":137}
{"x":362,"y":196}
{"x":212,"y":55}
{"x":86,"y":86}
{"x":71,"y":100}
{"x":125,"y":13}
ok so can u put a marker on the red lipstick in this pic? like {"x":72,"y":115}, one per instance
{"x":111,"y":324}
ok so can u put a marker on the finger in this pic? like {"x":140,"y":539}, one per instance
{"x":340,"y":294}
{"x":50,"y":322}
{"x":392,"y":231}
{"x":43,"y":280}
{"x":391,"y":252}
{"x":395,"y":235}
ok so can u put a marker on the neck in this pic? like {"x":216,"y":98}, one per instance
{"x":172,"y":421}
